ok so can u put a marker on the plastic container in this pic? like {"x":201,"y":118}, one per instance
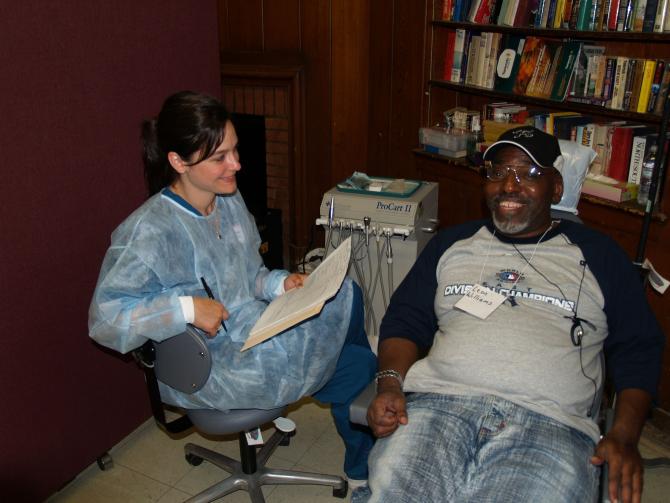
{"x":452,"y":144}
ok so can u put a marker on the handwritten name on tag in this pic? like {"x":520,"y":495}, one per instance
{"x":480,"y":301}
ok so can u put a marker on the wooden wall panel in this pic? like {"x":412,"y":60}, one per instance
{"x":315,"y":21}
{"x":281,"y":24}
{"x":242,"y":25}
{"x":380,"y":84}
{"x":350,"y":77}
{"x":408,"y":66}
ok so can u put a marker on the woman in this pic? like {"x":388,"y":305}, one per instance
{"x":195,"y":230}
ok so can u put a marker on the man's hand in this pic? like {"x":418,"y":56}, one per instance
{"x":208,"y":315}
{"x":625,"y":467}
{"x":619,"y":447}
{"x":387,"y":411}
{"x":294,"y":280}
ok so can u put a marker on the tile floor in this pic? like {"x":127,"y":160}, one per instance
{"x":149,"y":466}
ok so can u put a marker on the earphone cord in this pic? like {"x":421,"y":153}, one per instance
{"x":574,"y":318}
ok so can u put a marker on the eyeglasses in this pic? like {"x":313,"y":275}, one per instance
{"x":497,"y":172}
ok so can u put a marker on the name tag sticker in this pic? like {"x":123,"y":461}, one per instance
{"x":480,"y":301}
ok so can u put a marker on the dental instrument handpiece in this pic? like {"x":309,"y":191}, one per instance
{"x":331,"y":211}
{"x":366,"y":224}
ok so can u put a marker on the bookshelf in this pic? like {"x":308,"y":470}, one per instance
{"x":460,"y":184}
{"x":441,"y":95}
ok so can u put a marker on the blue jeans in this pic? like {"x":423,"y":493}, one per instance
{"x":479,"y":449}
{"x":356,"y":367}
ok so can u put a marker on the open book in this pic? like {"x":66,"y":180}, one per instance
{"x":299,"y":304}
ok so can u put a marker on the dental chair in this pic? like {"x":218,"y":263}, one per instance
{"x":183,"y":362}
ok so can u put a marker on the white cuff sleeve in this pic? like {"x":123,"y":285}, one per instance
{"x":187,"y":308}
{"x":280,"y":288}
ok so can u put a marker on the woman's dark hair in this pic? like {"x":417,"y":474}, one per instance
{"x":189,"y":122}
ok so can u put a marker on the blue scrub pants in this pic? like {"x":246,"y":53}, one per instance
{"x":356,"y":367}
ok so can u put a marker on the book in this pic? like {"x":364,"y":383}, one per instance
{"x":599,"y":146}
{"x":625,"y":6}
{"x":621,"y":144}
{"x":638,"y":16}
{"x":566,"y":66}
{"x":509,"y":59}
{"x":459,"y":44}
{"x":609,"y":79}
{"x":599,"y":76}
{"x":551,"y":77}
{"x":492,"y":60}
{"x":483,"y":56}
{"x":582,"y":66}
{"x":656,"y":85}
{"x":298,"y":304}
{"x":449,"y":55}
{"x":557,"y":22}
{"x":473,"y":55}
{"x":618,"y":87}
{"x":663,"y":90}
{"x":613,"y":15}
{"x":484,"y":11}
{"x":649,"y":16}
{"x":584,"y":14}
{"x":661,"y":12}
{"x":633,"y":83}
{"x":636,"y":158}
{"x":540,"y":65}
{"x":645,"y":88}
{"x":531,"y":53}
{"x":611,"y":190}
{"x":524,"y":12}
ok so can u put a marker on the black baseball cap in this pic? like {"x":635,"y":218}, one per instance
{"x":541,"y":147}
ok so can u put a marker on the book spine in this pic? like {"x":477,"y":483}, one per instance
{"x":624,"y":8}
{"x":663,"y":90}
{"x":449,"y":55}
{"x":655,"y":85}
{"x":659,"y":20}
{"x":636,"y":158}
{"x":620,"y":154}
{"x":613,"y":14}
{"x":645,"y":88}
{"x":638,"y":18}
{"x":649,"y":16}
{"x":459,"y":40}
{"x":609,"y":78}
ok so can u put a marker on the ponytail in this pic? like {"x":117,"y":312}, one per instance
{"x":157,"y":170}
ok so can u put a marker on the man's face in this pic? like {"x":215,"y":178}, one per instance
{"x":521,"y":207}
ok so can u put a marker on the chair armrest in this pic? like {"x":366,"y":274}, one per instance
{"x":358,"y":409}
{"x":183,"y":362}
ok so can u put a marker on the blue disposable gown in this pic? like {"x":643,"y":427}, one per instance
{"x":160,"y":252}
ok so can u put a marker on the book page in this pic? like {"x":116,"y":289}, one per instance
{"x":298,"y":304}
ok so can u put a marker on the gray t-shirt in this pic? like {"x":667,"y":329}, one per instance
{"x":523,"y":351}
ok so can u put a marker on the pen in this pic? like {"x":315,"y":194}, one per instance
{"x":211,"y":296}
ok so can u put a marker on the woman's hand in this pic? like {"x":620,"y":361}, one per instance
{"x":208,"y":315}
{"x":294,"y":280}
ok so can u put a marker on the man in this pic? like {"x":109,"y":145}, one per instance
{"x":496,"y":333}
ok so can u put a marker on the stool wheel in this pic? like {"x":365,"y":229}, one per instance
{"x":342,"y":492}
{"x":193,"y":460}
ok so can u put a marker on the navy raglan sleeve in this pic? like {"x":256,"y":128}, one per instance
{"x":411,"y":312}
{"x":634,"y":345}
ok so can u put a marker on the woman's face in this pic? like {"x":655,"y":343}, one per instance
{"x":216,"y":174}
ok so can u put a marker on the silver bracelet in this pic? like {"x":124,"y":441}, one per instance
{"x":388,"y":373}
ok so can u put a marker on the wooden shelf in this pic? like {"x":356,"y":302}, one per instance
{"x":562,"y":33}
{"x":560,"y":105}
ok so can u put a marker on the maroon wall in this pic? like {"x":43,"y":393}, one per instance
{"x":76,"y":79}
